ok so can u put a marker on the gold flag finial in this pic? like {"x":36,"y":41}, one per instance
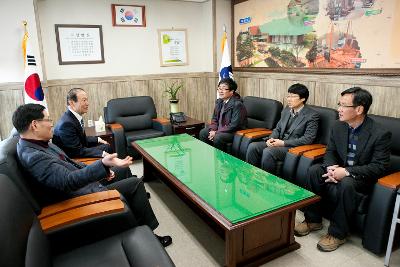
{"x":25,"y":23}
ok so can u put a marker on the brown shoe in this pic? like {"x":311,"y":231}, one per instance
{"x":330,"y":243}
{"x":305,"y":228}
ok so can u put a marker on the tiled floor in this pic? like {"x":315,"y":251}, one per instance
{"x":196,"y":244}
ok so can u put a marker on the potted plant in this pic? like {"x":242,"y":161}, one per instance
{"x":172,"y":91}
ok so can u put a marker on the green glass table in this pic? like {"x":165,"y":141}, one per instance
{"x":256,"y":210}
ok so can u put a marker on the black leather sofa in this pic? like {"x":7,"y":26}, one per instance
{"x":23,"y":243}
{"x":79,"y":233}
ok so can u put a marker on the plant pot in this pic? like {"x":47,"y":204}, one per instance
{"x":174,"y":105}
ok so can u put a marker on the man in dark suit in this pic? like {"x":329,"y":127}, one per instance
{"x":358,"y":153}
{"x":229,"y":116}
{"x":55,"y":177}
{"x":69,"y":132}
{"x":298,"y":126}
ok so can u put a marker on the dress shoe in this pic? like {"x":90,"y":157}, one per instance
{"x":330,"y":243}
{"x":148,"y":195}
{"x":305,"y":228}
{"x":164,"y":240}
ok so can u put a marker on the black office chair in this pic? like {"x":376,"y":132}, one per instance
{"x":134,"y":118}
{"x":262,"y":116}
{"x":23,"y":242}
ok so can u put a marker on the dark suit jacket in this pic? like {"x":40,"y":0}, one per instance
{"x":70,"y":137}
{"x":55,"y":176}
{"x":233,"y":117}
{"x":303,"y":130}
{"x":372,"y":155}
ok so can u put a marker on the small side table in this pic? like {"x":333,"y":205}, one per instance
{"x":107,"y":135}
{"x":190,"y":126}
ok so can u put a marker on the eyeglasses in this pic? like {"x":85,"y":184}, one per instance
{"x":222,"y":89}
{"x":292,"y":96}
{"x":340,"y":105}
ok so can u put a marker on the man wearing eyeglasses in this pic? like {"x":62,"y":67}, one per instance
{"x":229,"y":116}
{"x":298,"y":126}
{"x":358,"y":153}
{"x":56,"y":177}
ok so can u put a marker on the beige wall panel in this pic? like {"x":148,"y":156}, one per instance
{"x":10,"y":100}
{"x":139,"y":88}
{"x":273,"y":89}
{"x":208,"y":99}
{"x":249,"y":86}
{"x":56,"y":100}
{"x":197,"y":99}
{"x":156,"y":91}
{"x":386,"y":101}
{"x":327,"y":94}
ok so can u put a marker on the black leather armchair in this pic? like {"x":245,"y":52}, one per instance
{"x":23,"y":242}
{"x":100,"y":222}
{"x":375,"y":211}
{"x":134,"y":118}
{"x":262,"y":116}
{"x":327,"y":118}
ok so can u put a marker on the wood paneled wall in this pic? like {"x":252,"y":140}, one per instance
{"x":198,"y":96}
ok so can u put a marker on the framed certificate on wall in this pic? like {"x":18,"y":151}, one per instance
{"x":79,"y":44}
{"x":173,"y":47}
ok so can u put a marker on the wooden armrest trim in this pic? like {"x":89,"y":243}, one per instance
{"x":79,"y":202}
{"x":245,"y":131}
{"x":315,"y":154}
{"x":114,"y":126}
{"x":81,"y":213}
{"x":391,"y":180}
{"x":258,"y":134}
{"x":86,"y":161}
{"x":300,"y":150}
{"x":163,"y":121}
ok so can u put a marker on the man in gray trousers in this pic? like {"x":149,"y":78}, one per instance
{"x":298,"y":126}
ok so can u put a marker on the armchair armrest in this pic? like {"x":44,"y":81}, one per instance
{"x":242,"y":140}
{"x":77,"y":202}
{"x":119,"y":138}
{"x":300,"y":150}
{"x":162,"y":124}
{"x":86,"y":161}
{"x":391,"y":181}
{"x":315,"y":154}
{"x":258,"y":134}
{"x":246,"y":131}
{"x":237,"y":140}
{"x":290,"y":163}
{"x":81,"y":213}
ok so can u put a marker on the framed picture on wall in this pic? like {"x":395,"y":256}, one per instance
{"x":128,"y":15}
{"x":173,"y":47}
{"x":316,"y":36}
{"x":79,"y":44}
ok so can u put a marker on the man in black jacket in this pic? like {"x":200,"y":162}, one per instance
{"x":358,"y":154}
{"x":69,"y":132}
{"x":55,"y":176}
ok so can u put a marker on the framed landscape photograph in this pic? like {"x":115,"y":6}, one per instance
{"x":173,"y":47}
{"x":128,"y":15}
{"x":318,"y":36}
{"x":79,"y":44}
